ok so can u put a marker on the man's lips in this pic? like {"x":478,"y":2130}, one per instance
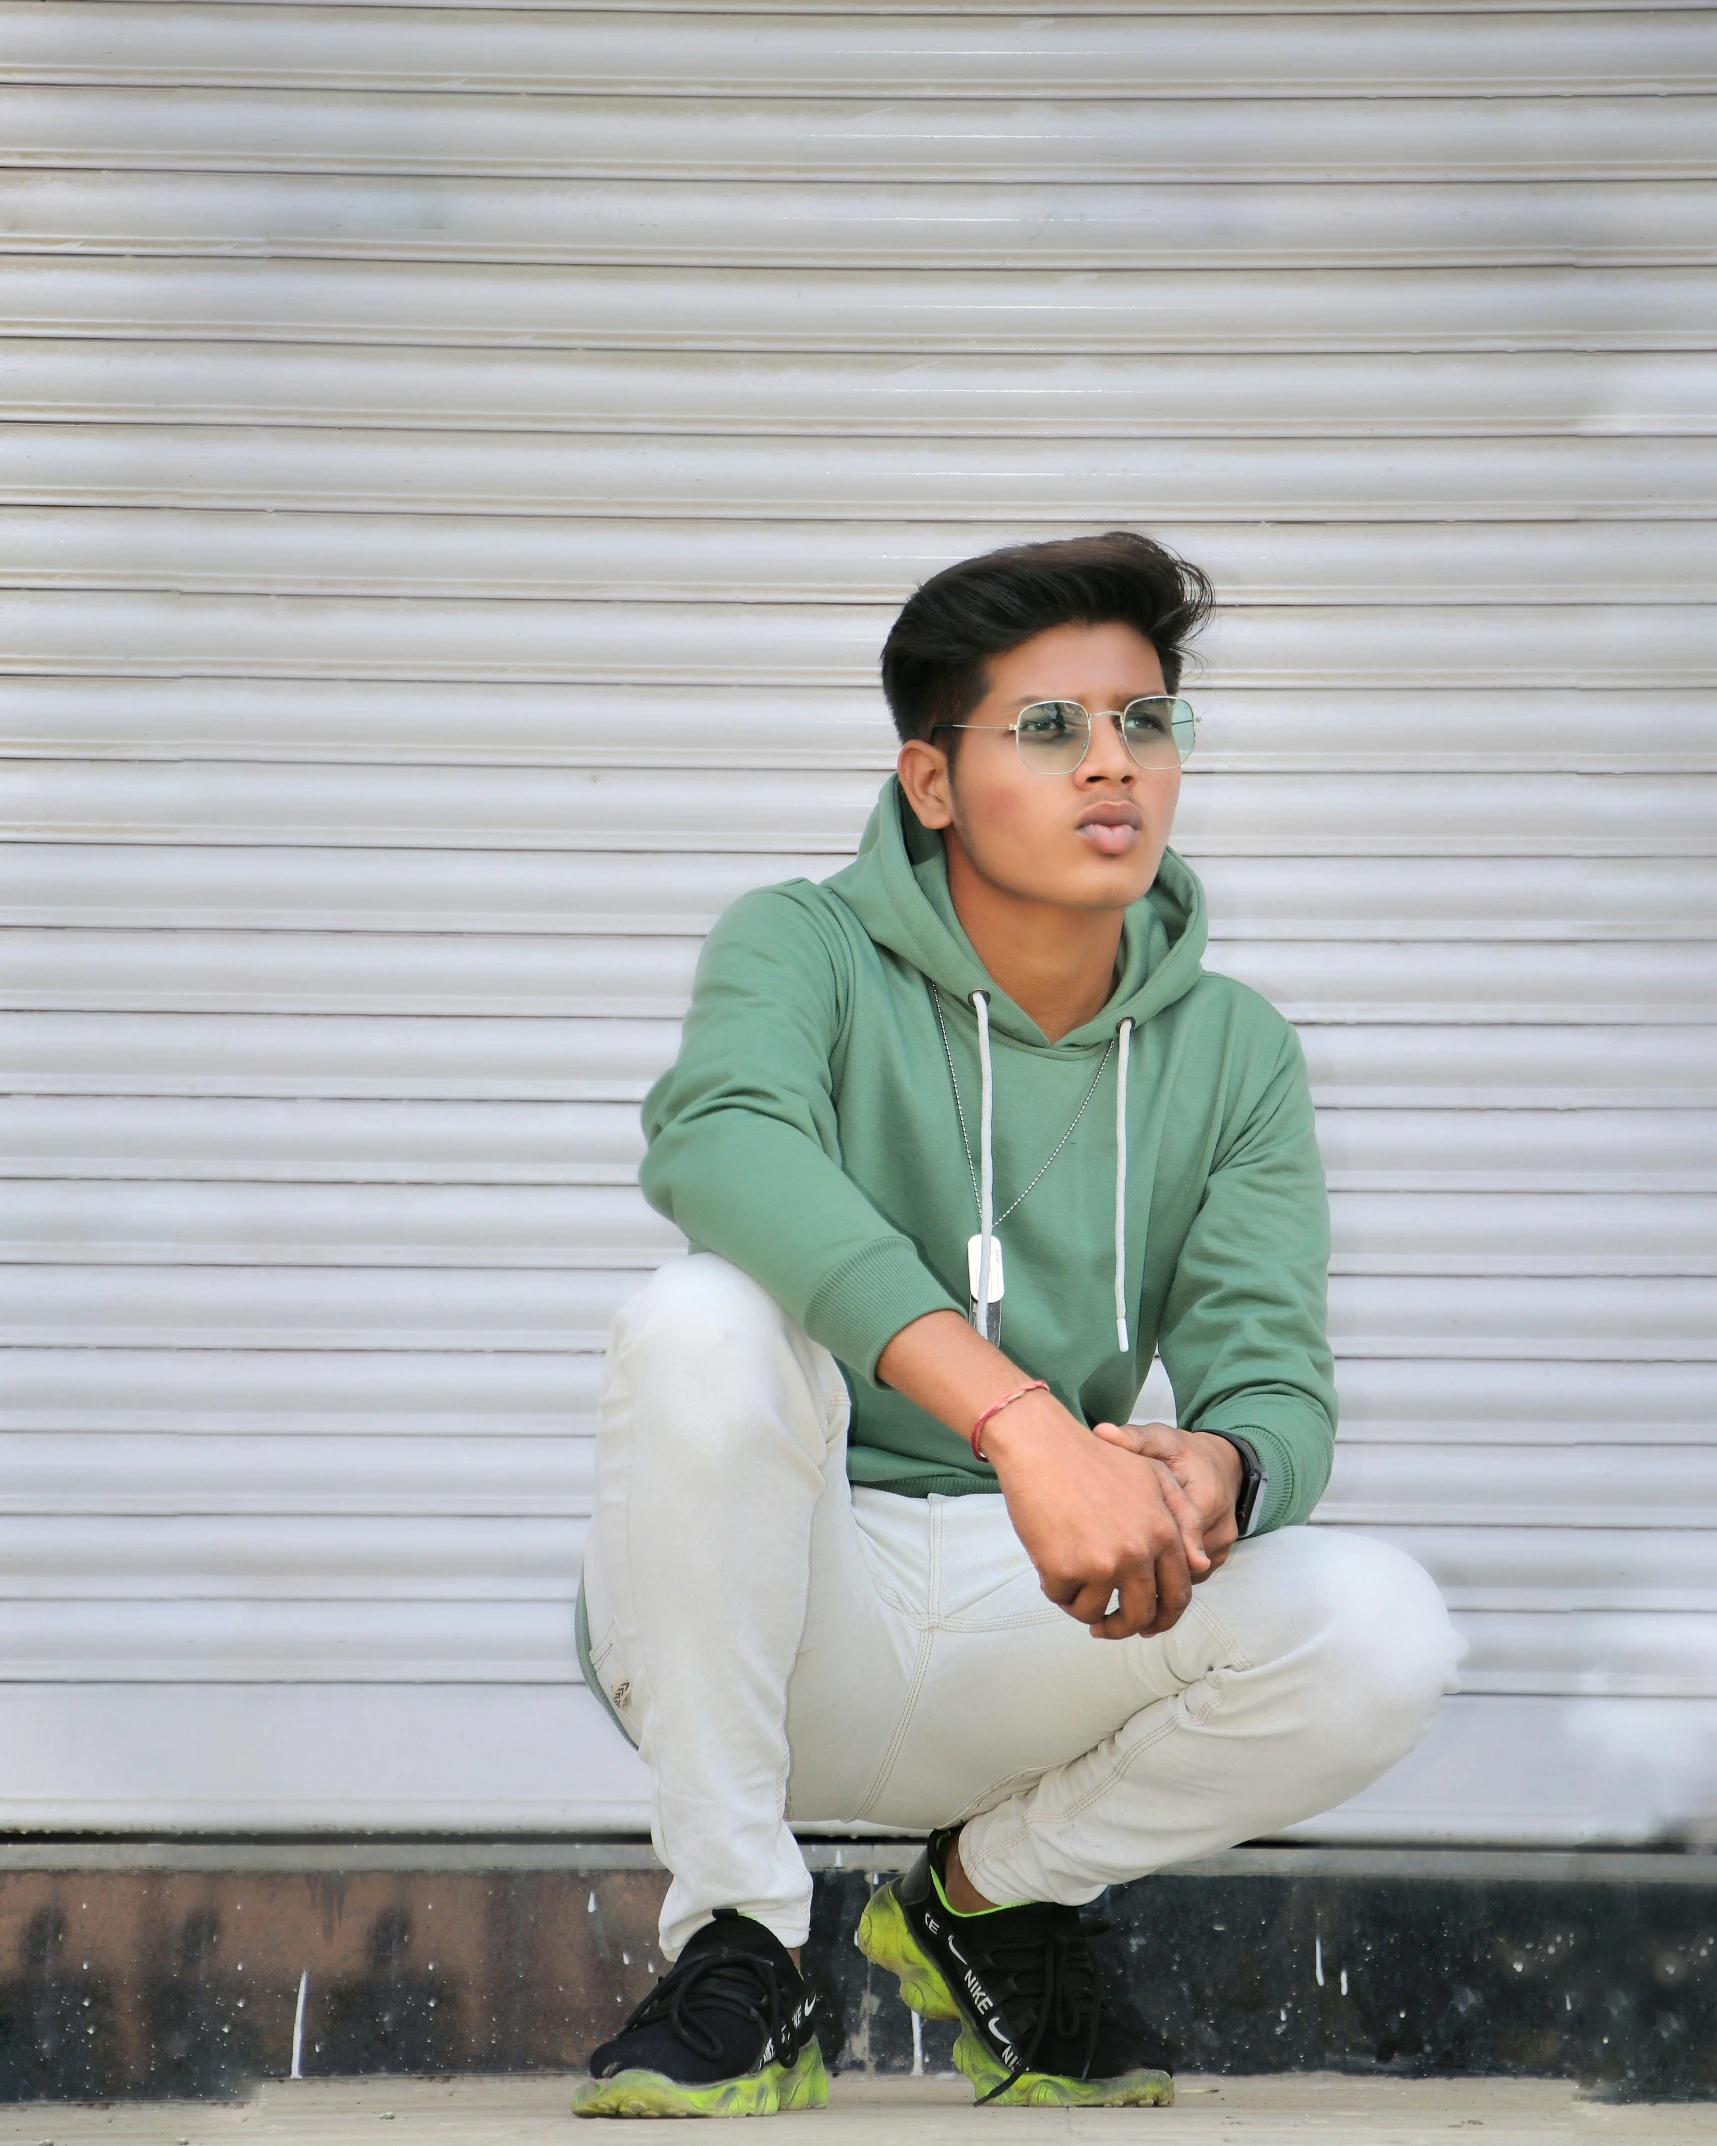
{"x":1110,"y":829}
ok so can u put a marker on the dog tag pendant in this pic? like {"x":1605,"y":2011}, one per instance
{"x":990,"y":1324}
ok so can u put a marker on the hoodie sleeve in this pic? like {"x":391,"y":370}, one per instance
{"x":1243,"y":1331}
{"x":744,"y":1150}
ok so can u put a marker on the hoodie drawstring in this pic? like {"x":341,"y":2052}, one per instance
{"x":1124,"y":1038}
{"x":986,"y":1167}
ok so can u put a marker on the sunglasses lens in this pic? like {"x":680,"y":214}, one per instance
{"x":1053,"y":735}
{"x":1158,"y":730}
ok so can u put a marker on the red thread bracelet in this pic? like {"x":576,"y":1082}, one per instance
{"x":1019,"y":1393}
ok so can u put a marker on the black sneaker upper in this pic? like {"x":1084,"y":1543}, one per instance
{"x":731,"y":2003}
{"x":1025,"y":1978}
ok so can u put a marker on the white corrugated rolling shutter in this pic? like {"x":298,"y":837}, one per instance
{"x":465,"y":461}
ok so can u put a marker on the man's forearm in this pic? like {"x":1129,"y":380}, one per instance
{"x":954,"y":1374}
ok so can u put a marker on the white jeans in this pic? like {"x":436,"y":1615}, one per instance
{"x":785,"y":1649}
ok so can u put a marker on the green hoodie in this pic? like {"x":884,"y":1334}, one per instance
{"x":808,"y":1133}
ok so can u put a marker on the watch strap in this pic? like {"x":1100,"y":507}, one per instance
{"x":1254,"y":1481}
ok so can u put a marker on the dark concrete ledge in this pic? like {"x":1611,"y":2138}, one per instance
{"x":196,"y":1967}
{"x":342,"y":1854}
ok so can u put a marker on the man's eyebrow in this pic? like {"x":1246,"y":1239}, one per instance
{"x":1030,"y":700}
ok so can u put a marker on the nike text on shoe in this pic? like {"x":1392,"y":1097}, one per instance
{"x":1025,"y":1987}
{"x":727,"y":2031}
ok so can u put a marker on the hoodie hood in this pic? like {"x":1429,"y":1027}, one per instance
{"x":897,"y":887}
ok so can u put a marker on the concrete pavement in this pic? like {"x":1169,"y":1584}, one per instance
{"x":1282,"y":2110}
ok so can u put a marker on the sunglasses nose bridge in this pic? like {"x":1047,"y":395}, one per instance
{"x":1102,"y":717}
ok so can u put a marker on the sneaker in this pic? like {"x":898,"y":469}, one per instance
{"x":1023,"y":1983}
{"x":727,"y":2031}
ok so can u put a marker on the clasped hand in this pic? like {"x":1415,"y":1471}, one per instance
{"x":1129,"y":1514}
{"x":1136,"y":1510}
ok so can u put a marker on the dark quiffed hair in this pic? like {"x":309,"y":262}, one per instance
{"x":934,"y":660}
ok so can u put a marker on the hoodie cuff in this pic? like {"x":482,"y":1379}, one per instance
{"x":1278,"y":1463}
{"x":1297,"y":1478}
{"x":858,"y":1309}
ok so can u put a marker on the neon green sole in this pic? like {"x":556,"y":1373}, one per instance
{"x":885,"y":1938}
{"x":764,"y":2093}
{"x":1049,"y":2090}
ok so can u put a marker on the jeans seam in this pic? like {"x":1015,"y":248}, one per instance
{"x":1025,"y":1620}
{"x":1174,"y":1718}
{"x":635,"y":1670}
{"x":1235,"y":1656}
{"x":1098,"y":1789}
{"x":617,"y":1377}
{"x":1123,"y":1766}
{"x":920,"y":1670}
{"x":886,"y":1764}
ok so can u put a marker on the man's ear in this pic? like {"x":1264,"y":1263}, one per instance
{"x":923,"y":771}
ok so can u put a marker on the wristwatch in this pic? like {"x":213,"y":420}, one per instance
{"x":1254,"y":1481}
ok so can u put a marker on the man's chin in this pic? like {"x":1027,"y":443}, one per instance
{"x":1111,"y":883}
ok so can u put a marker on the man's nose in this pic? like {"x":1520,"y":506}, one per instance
{"x":1107,"y":758}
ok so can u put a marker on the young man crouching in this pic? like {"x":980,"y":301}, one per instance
{"x":960,"y":1138}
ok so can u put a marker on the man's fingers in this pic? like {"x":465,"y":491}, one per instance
{"x":1187,"y":1518}
{"x":1135,"y":1612}
{"x":1157,"y":1441}
{"x":1153,"y":1596}
{"x":1087,"y":1601}
{"x":1127,"y":1562}
{"x":1174,"y":1582}
{"x":1124,"y":1435}
{"x":1151,"y":1603}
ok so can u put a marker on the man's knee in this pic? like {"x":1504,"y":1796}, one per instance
{"x":1389,"y":1650}
{"x":699,"y":1308}
{"x":703,"y":1356}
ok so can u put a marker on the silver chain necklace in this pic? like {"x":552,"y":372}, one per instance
{"x":960,"y":1113}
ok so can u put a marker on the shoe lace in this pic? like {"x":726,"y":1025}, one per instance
{"x":1050,"y":1985}
{"x":716,"y":1978}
